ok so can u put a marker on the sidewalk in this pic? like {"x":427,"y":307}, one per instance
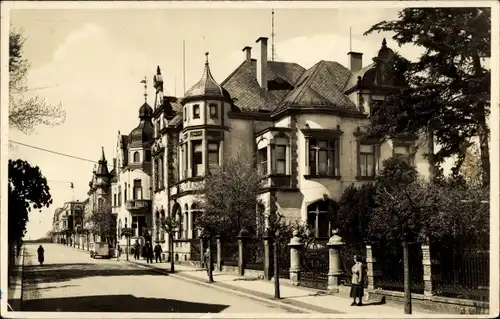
{"x":15,"y":288}
{"x":299,"y":298}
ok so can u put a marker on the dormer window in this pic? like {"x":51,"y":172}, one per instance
{"x":137,"y":157}
{"x":213,"y":111}
{"x":196,"y":111}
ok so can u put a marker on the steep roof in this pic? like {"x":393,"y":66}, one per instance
{"x":246,"y":92}
{"x":206,"y":86}
{"x":102,"y":168}
{"x":321,"y":85}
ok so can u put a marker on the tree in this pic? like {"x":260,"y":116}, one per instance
{"x":471,"y":170}
{"x":230,"y":198}
{"x":171,"y":225}
{"x":102,"y":222}
{"x":127,"y":232}
{"x":26,"y":113}
{"x":448,"y":92}
{"x":28,"y":190}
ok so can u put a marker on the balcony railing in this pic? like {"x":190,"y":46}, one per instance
{"x":138,"y":204}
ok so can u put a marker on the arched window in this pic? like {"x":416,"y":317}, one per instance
{"x":137,"y":158}
{"x":126,"y":222}
{"x":120,"y":227}
{"x":319,"y":215}
{"x":100,"y":203}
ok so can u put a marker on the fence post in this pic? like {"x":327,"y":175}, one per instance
{"x":334,"y":270}
{"x":219,"y":253}
{"x":242,"y":256}
{"x":295,"y":245}
{"x":268,"y":258}
{"x":371,"y":271}
{"x":427,"y":265}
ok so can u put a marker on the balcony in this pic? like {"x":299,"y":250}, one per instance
{"x":138,"y":205}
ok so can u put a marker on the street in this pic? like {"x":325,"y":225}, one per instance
{"x":70,"y":280}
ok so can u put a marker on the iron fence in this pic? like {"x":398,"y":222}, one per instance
{"x":255,"y":255}
{"x":195,"y":250}
{"x":230,"y":254}
{"x":315,"y":263}
{"x":462,"y":272}
{"x":390,"y":262}
{"x":283,"y":260}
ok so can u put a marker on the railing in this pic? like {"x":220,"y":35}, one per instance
{"x":314,"y":267}
{"x":137,"y":204}
{"x":255,"y":255}
{"x":390,"y":262}
{"x":462,"y":272}
{"x":284,"y":260}
{"x":230,"y":254}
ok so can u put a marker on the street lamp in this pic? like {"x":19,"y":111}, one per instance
{"x":87,"y":228}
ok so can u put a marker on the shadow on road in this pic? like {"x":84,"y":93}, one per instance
{"x":119,"y":303}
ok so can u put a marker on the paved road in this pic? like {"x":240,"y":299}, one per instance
{"x":70,"y":280}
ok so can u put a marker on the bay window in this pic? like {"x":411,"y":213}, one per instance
{"x":367,"y":160}
{"x":197,"y":160}
{"x":323,"y":157}
{"x":263,"y":161}
{"x":213,"y":155}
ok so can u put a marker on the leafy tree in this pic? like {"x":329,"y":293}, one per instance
{"x":171,"y":225}
{"x":471,"y":170}
{"x":230,"y":198}
{"x":448,"y":92}
{"x":355,"y":212}
{"x":28,"y":190}
{"x":26,"y":113}
{"x":102,"y":222}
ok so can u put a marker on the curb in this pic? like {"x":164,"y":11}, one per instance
{"x":287,"y":304}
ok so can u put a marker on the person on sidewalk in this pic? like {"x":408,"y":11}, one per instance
{"x":137,"y":249}
{"x":41,"y":253}
{"x":158,"y":252}
{"x":206,"y":256}
{"x":118,"y":252}
{"x":357,"y":290}
{"x":148,"y":252}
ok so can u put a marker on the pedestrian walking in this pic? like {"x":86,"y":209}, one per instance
{"x":118,"y":252}
{"x":41,"y":253}
{"x":148,"y":252}
{"x":357,"y":289}
{"x":158,"y":252}
{"x":137,"y":249}
{"x":206,"y":259}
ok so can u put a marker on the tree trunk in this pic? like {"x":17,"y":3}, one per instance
{"x":407,"y":285}
{"x":171,"y":244}
{"x":210,"y":262}
{"x":483,"y":130}
{"x":276,"y":269}
{"x":128,"y":245}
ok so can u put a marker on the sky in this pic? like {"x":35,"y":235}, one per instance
{"x":92,"y":62}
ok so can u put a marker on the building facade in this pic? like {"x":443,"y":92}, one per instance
{"x":67,"y":222}
{"x":305,"y":127}
{"x":131,"y":185}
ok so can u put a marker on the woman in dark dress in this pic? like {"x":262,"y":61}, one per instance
{"x":357,"y":289}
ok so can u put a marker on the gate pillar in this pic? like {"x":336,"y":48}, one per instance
{"x":268,"y":257}
{"x":334,"y":270}
{"x":242,"y":250}
{"x":295,"y":245}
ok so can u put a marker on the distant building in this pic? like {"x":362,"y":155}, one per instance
{"x":67,"y":222}
{"x":304,"y":126}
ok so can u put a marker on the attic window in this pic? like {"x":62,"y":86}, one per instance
{"x":213,"y":111}
{"x":196,"y":111}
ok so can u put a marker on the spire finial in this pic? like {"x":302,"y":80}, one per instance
{"x":384,"y":43}
{"x":158,"y":71}
{"x":103,"y":158}
{"x":145,"y":81}
{"x":206,"y":57}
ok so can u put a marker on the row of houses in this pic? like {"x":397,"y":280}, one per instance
{"x":305,"y":127}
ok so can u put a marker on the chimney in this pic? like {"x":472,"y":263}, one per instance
{"x":114,"y":163}
{"x":262,"y":63}
{"x":248,"y":53}
{"x":355,"y":61}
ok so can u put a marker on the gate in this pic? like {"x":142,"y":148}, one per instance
{"x":314,"y":266}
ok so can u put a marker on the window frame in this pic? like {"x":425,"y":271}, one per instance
{"x":215,"y":107}
{"x":136,"y":154}
{"x":409,"y":156}
{"x":362,"y":154}
{"x":196,"y":109}
{"x":217,"y":152}
{"x":194,"y":168}
{"x":263,"y":162}
{"x":281,"y":160}
{"x":332,"y":150}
